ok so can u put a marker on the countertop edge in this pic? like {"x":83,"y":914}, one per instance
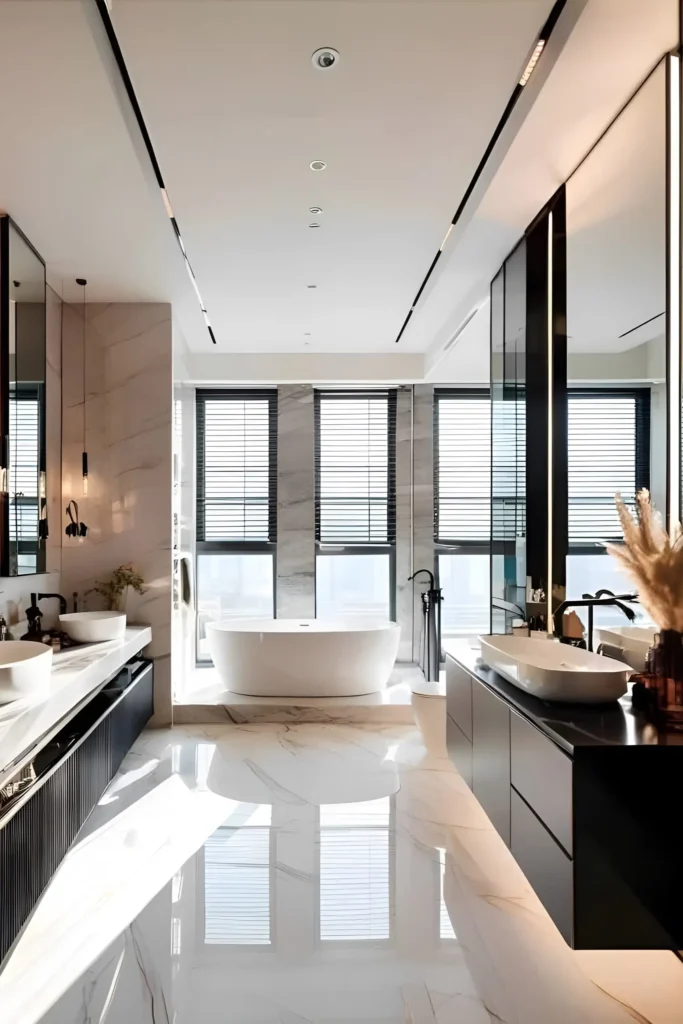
{"x":21,"y":736}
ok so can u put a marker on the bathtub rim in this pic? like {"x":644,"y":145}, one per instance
{"x":299,"y":626}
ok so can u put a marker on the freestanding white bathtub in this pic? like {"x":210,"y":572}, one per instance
{"x":303,"y":657}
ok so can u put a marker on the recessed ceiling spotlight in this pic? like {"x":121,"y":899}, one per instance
{"x":317,"y":165}
{"x":325,"y":58}
{"x":314,"y":224}
{"x":315,"y":209}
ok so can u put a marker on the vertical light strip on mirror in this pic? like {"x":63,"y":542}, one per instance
{"x":674,"y":290}
{"x":549,"y":590}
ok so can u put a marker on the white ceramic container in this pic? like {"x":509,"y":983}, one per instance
{"x":303,"y":657}
{"x":25,"y":668}
{"x":554,"y":671}
{"x":93,"y":627}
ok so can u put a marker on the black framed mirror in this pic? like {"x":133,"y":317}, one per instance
{"x":23,"y":503}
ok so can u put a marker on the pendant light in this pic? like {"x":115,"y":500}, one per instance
{"x":84,"y":458}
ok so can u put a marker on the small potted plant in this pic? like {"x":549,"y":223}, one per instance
{"x":115,"y":590}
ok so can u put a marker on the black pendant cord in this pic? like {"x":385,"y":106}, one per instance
{"x":84,"y":457}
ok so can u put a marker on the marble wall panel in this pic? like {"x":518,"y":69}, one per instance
{"x":423,"y":495}
{"x":128,"y":437}
{"x":295,"y":592}
{"x":404,"y":520}
{"x":184,"y":522}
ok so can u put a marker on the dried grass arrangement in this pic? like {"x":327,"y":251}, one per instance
{"x":654,"y":561}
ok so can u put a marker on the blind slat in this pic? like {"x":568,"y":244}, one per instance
{"x":355,"y":464}
{"x":462,"y":477}
{"x":605,"y":433}
{"x":237,"y":465}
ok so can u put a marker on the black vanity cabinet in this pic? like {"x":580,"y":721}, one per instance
{"x":585,"y":798}
{"x":69,"y":773}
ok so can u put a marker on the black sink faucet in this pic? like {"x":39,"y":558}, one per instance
{"x":602,"y":598}
{"x":62,"y":601}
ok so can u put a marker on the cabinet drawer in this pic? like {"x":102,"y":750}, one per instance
{"x":491,"y":757}
{"x":546,"y":866}
{"x":459,"y":696}
{"x":459,"y":750}
{"x":542,"y":774}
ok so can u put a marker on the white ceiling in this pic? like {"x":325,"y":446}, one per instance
{"x":236,"y":113}
{"x":609,"y":51}
{"x":73,"y":172}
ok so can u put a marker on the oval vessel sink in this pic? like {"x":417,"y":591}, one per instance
{"x":25,"y":669}
{"x":93,"y":627}
{"x":554,"y":671}
{"x":634,"y":641}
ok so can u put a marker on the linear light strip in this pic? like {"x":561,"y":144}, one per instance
{"x":674,"y":297}
{"x":533,"y":61}
{"x":549,"y":589}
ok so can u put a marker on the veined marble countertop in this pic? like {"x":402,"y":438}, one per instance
{"x":76,"y":673}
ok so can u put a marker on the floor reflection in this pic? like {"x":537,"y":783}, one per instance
{"x":307,"y":903}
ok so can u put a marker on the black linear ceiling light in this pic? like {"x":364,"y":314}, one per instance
{"x":540,"y":45}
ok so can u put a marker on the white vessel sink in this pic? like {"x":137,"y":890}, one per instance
{"x":634,"y":641}
{"x":25,"y":668}
{"x":554,"y":671}
{"x":93,"y":627}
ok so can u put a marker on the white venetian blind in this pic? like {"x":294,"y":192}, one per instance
{"x":237,"y":884}
{"x":24,"y":414}
{"x":602,"y":450}
{"x":355,"y":871}
{"x":462,"y":467}
{"x":236,"y":465}
{"x":355,"y":465}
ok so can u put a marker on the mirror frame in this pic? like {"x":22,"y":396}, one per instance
{"x":7,"y":224}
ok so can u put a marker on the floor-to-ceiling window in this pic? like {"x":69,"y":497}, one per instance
{"x":236,"y":506}
{"x":355,"y":503}
{"x":609,"y":452}
{"x":462,"y":507}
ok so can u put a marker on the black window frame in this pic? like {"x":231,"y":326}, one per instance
{"x":643,"y":403}
{"x":342,"y":549}
{"x":204,"y":547}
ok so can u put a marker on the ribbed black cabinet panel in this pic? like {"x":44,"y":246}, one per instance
{"x":34,"y":841}
{"x":21,"y":875}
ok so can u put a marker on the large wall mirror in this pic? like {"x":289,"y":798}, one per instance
{"x":23,"y":506}
{"x":616,"y":333}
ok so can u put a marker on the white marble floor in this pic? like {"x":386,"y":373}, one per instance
{"x":288,"y":874}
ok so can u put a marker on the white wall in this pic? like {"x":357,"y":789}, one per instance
{"x":129,"y":435}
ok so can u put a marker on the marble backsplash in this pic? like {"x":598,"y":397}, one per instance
{"x":128,"y":437}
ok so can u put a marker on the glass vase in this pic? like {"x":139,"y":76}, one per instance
{"x":665,"y":668}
